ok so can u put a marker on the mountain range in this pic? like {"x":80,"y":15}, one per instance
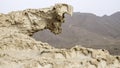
{"x":87,"y":30}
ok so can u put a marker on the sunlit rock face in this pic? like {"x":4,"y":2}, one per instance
{"x":19,"y":50}
{"x":30,"y":21}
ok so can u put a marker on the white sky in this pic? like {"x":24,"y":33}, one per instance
{"x":98,"y":7}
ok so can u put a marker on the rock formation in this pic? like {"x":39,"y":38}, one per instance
{"x":30,"y":21}
{"x":19,"y":50}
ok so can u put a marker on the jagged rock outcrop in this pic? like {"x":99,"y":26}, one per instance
{"x":30,"y":21}
{"x":19,"y":50}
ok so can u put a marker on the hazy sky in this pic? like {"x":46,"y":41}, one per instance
{"x":98,"y":7}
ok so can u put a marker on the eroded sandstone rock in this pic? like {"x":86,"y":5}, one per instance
{"x":19,"y":50}
{"x":32,"y":20}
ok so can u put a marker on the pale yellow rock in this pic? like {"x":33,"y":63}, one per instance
{"x":19,"y":50}
{"x":30,"y":21}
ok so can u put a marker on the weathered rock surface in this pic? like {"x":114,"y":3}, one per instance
{"x":30,"y":21}
{"x":19,"y":50}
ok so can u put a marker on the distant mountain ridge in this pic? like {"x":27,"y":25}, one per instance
{"x":88,"y":30}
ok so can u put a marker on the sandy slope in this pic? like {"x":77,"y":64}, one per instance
{"x":25,"y":52}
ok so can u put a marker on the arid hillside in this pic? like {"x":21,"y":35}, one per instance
{"x":87,"y":30}
{"x":18,"y":49}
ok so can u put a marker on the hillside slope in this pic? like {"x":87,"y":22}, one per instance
{"x":87,"y":30}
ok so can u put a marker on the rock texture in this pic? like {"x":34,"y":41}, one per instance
{"x":19,"y":50}
{"x":30,"y":21}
